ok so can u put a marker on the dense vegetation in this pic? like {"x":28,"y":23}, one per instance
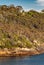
{"x":19,"y":28}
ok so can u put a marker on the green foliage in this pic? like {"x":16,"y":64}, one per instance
{"x":22,"y":41}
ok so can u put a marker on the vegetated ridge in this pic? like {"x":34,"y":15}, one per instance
{"x":21,"y":29}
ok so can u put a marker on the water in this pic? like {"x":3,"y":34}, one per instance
{"x":27,"y":60}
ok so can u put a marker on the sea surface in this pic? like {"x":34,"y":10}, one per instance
{"x":27,"y":60}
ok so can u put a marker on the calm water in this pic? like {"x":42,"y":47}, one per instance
{"x":33,"y":60}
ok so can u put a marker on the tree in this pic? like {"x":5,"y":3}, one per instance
{"x":11,"y":6}
{"x":43,"y":10}
{"x":4,"y":7}
{"x":19,"y":8}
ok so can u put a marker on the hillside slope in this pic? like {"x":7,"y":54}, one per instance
{"x":19,"y":28}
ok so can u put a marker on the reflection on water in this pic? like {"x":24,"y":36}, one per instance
{"x":33,"y":60}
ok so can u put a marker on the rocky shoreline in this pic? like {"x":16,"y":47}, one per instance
{"x":19,"y":52}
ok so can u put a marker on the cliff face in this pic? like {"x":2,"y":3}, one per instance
{"x":21,"y":29}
